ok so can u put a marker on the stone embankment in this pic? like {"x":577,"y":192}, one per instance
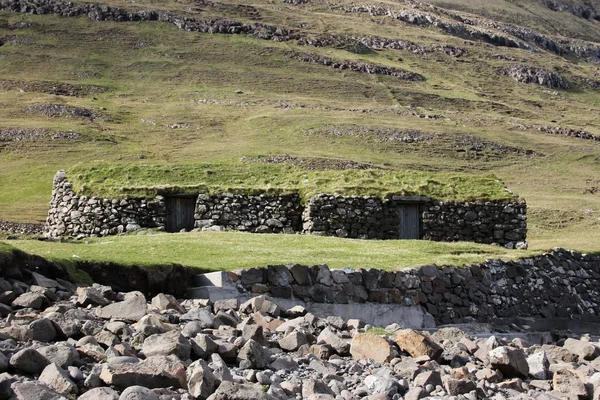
{"x":559,"y":284}
{"x":60,"y":342}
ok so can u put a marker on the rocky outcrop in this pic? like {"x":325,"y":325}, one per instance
{"x":581,"y":10}
{"x":539,"y":76}
{"x":361,"y":67}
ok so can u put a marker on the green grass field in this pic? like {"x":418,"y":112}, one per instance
{"x":233,"y":250}
{"x":167,"y":108}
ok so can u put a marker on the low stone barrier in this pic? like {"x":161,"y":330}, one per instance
{"x":557,"y":284}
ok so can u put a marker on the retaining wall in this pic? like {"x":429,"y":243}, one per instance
{"x":558,"y":284}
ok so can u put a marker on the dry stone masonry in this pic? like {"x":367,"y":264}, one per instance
{"x":364,"y":217}
{"x":561,"y":284}
{"x":73,"y":215}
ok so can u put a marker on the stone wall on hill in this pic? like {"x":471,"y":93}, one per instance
{"x":557,"y":284}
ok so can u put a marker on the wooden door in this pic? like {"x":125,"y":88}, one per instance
{"x":410,"y":221}
{"x":180,"y":213}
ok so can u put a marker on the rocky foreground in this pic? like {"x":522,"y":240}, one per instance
{"x":58,"y":341}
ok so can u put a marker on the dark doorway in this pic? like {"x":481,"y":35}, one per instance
{"x":409,"y":221}
{"x":180,"y":213}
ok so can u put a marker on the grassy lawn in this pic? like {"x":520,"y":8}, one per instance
{"x":232,"y":250}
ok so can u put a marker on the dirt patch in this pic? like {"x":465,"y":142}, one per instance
{"x":312,"y":164}
{"x":55,"y":88}
{"x":59,"y":110}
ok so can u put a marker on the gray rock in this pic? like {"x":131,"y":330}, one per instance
{"x":5,"y":390}
{"x":165,"y":302}
{"x":240,"y":391}
{"x":138,"y":393}
{"x":164,"y":344}
{"x":61,"y":353}
{"x":253,"y":355}
{"x":455,"y":387}
{"x":3,"y":362}
{"x":510,"y":361}
{"x":262,"y":304}
{"x":58,"y":379}
{"x":34,"y":390}
{"x":568,"y":383}
{"x":192,"y":328}
{"x":220,"y":369}
{"x":313,"y":387}
{"x":203,"y":346}
{"x":153,"y":372}
{"x":327,"y":336}
{"x":101,"y":393}
{"x":201,"y":381}
{"x":42,"y":329}
{"x":30,"y":300}
{"x":293,"y":341}
{"x":133,"y":308}
{"x":154,"y":323}
{"x":585,"y":350}
{"x":538,"y":365}
{"x":89,"y":296}
{"x":65,"y":325}
{"x":29,"y":361}
{"x":200,"y":315}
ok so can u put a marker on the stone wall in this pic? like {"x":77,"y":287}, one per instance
{"x":558,"y":284}
{"x":364,"y":217}
{"x":262,"y":213}
{"x":490,"y":222}
{"x":73,"y":215}
{"x":367,"y":217}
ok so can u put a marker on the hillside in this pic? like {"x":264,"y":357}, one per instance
{"x":504,"y":88}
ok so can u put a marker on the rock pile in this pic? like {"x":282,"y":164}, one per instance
{"x":60,"y":110}
{"x":59,"y":342}
{"x":55,"y":88}
{"x":539,"y":76}
{"x":311,"y":164}
{"x":21,"y":228}
{"x":20,"y":134}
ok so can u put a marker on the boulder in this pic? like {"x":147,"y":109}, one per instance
{"x":133,"y":308}
{"x":329,"y":337}
{"x":510,"y":361}
{"x":538,"y":365}
{"x":138,"y":393}
{"x":60,"y":353}
{"x":371,"y":346}
{"x":201,"y":315}
{"x":30,"y":300}
{"x":101,"y":393}
{"x":153,"y":323}
{"x":220,"y":369}
{"x":416,"y":344}
{"x":42,"y":330}
{"x":58,"y":379}
{"x":29,"y":361}
{"x":89,"y":296}
{"x":253,"y":355}
{"x":203,"y":346}
{"x":240,"y":391}
{"x":153,"y":372}
{"x":34,"y":390}
{"x":65,"y":326}
{"x":165,"y":302}
{"x":312,"y":387}
{"x":585,"y":350}
{"x":164,"y":344}
{"x":293,"y":341}
{"x":568,"y":383}
{"x":201,"y":381}
{"x":262,"y":304}
{"x":455,"y":387}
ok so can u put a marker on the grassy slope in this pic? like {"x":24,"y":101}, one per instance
{"x":190,"y":79}
{"x":232,"y":250}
